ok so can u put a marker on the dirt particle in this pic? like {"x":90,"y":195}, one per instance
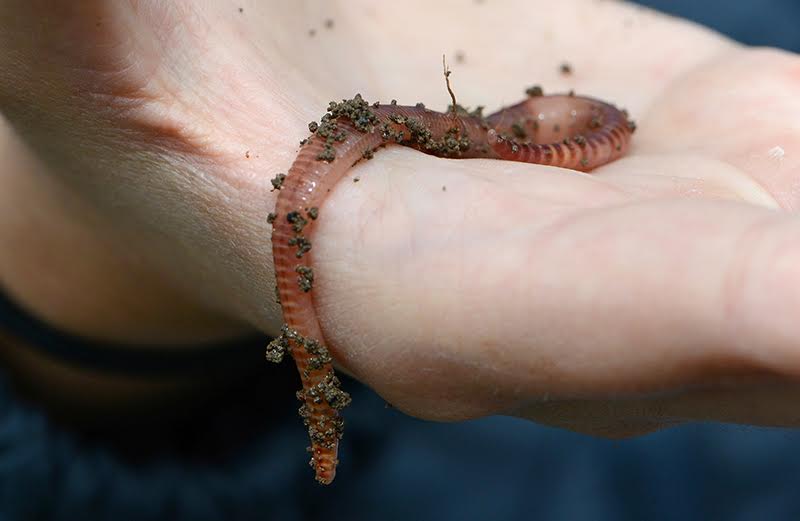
{"x":397,"y":118}
{"x":277,"y":182}
{"x":389,"y":133}
{"x":329,"y":23}
{"x":312,"y":33}
{"x":313,"y":126}
{"x":451,"y":144}
{"x":320,"y":355}
{"x":477,"y":112}
{"x":303,"y":245}
{"x":305,"y":279}
{"x":327,"y":154}
{"x":357,"y":110}
{"x":241,"y":9}
{"x":277,"y":349}
{"x":330,"y":390}
{"x":313,"y":213}
{"x":247,"y":154}
{"x":297,"y":221}
{"x":271,"y":216}
{"x":565,"y":69}
{"x":535,"y":91}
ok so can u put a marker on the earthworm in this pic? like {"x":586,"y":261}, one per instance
{"x":560,"y":130}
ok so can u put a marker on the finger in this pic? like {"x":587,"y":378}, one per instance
{"x":457,"y":294}
{"x":756,"y":133}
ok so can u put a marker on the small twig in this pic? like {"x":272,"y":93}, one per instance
{"x":447,"y":82}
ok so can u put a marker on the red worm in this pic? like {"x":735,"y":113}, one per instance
{"x":565,"y":131}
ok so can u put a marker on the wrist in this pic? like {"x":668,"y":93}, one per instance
{"x":63,"y":262}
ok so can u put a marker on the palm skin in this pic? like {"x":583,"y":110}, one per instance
{"x":656,"y":290}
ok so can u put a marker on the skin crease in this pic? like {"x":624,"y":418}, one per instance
{"x":660,"y":289}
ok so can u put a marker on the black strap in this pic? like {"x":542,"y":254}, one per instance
{"x":128,"y":360}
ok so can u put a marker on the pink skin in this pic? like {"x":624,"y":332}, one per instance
{"x":563,"y":130}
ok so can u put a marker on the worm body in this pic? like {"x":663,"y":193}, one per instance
{"x":561,"y":130}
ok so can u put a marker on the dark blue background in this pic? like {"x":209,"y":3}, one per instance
{"x":398,"y":468}
{"x":754,"y":22}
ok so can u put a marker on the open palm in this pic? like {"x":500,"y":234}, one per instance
{"x":661,"y":288}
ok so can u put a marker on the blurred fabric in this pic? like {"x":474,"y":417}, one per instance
{"x":243,"y":458}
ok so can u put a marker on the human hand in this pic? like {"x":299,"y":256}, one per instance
{"x":654,"y":291}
